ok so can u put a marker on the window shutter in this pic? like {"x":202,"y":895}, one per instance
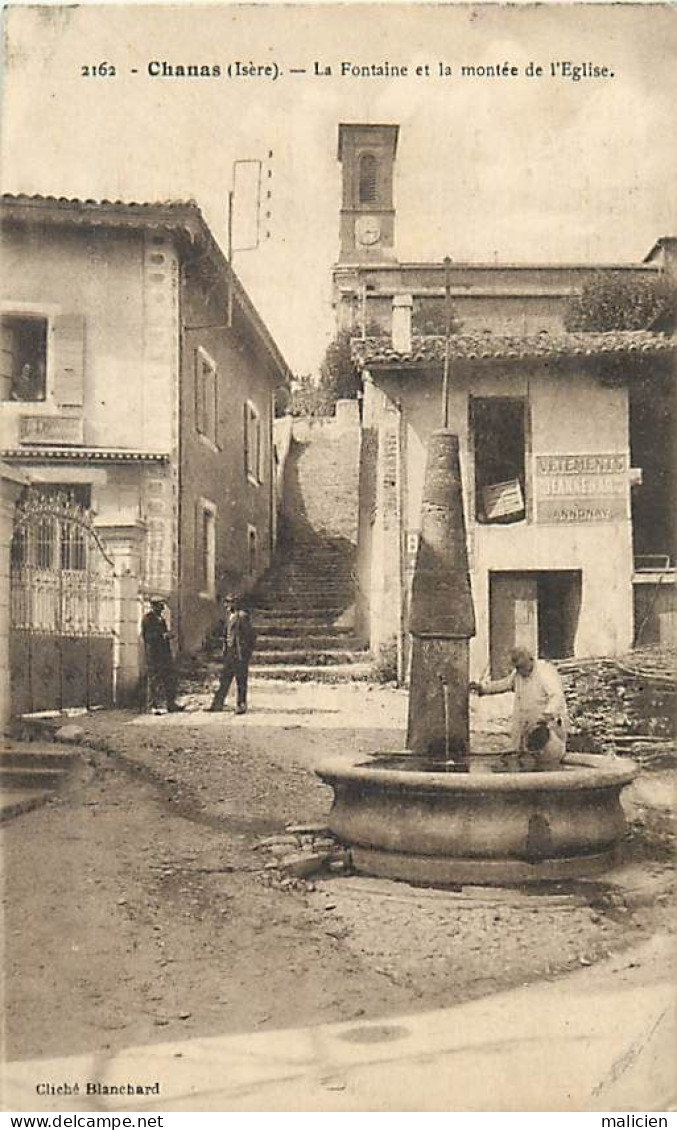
{"x":210,"y":403}
{"x":246,"y":438}
{"x":215,"y":394}
{"x":198,"y":544}
{"x":6,"y":361}
{"x":69,"y":360}
{"x":199,"y":393}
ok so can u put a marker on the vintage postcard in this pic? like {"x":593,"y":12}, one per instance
{"x":337,"y":558}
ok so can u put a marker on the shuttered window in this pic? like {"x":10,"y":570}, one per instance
{"x":253,"y":454}
{"x":368,"y":186}
{"x":206,"y":396}
{"x":205,"y":547}
{"x":252,"y":550}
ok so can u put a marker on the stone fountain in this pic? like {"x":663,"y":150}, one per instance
{"x":435,"y":814}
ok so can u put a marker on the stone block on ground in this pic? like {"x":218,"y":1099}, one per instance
{"x":308,"y":829}
{"x":340,"y":865}
{"x":271,"y":842}
{"x":69,"y":733}
{"x":327,"y":843}
{"x":303,"y":864}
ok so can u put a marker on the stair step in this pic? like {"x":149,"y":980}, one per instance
{"x":299,"y":552}
{"x":303,"y":672}
{"x":290,"y":630}
{"x":31,"y":755}
{"x":302,"y":615}
{"x":14,"y":802}
{"x":308,"y":642}
{"x":318,"y":598}
{"x":317,"y":582}
{"x":307,"y":656}
{"x":289,"y":602}
{"x":292,"y":626}
{"x":299,"y":604}
{"x":313,"y":558}
{"x":21,"y":777}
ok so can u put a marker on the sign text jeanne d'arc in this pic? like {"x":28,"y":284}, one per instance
{"x":581,"y":488}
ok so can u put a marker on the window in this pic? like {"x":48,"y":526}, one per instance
{"x":205,"y":546}
{"x":252,"y":550}
{"x":499,"y":435}
{"x":252,"y":443}
{"x":368,"y":179}
{"x":206,"y":397}
{"x":23,"y":357}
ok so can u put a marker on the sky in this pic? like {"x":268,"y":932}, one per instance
{"x":498,"y":169}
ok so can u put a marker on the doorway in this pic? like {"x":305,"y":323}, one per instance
{"x":538,"y":610}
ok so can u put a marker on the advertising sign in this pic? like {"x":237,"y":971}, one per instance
{"x":572,"y":489}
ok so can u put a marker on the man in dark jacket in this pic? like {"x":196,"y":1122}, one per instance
{"x":239,"y":638}
{"x":159,"y":660}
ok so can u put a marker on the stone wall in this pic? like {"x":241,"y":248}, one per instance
{"x":215,"y":470}
{"x":331,"y":494}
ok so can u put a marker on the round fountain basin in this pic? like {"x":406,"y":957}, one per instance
{"x":499,"y":821}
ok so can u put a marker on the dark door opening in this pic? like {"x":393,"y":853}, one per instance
{"x":559,"y":605}
{"x":534,"y":609}
{"x":653,"y":451}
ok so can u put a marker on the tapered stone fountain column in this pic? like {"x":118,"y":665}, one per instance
{"x":441,"y":618}
{"x":407,"y":820}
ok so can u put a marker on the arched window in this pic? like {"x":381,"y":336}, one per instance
{"x":368,"y":179}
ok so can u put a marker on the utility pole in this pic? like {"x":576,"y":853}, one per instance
{"x":229,"y":318}
{"x":256,"y":169}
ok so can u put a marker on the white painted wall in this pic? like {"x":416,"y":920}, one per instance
{"x":127,"y":290}
{"x":571,"y":413}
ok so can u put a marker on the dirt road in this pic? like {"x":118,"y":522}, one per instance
{"x":136,"y":906}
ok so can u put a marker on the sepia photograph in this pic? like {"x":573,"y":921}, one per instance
{"x":338,"y":558}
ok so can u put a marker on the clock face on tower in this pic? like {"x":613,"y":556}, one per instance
{"x":367,"y":230}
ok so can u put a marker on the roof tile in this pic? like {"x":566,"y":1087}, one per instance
{"x":430,"y":350}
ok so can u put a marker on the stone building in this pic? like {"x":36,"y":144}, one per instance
{"x":137,"y":381}
{"x":566,"y":449}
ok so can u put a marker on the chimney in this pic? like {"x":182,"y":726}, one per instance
{"x":401,"y":324}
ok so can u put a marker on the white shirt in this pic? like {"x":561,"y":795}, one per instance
{"x":538,"y":697}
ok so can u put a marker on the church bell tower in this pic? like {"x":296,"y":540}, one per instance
{"x":367,"y":154}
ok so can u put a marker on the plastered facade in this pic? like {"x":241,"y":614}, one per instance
{"x":568,"y":414}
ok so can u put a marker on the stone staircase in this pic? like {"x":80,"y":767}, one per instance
{"x":30,"y":773}
{"x":305,"y":606}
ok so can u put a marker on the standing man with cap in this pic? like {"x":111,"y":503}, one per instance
{"x":238,"y":645}
{"x":162,"y":681}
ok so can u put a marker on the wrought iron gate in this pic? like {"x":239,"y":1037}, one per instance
{"x":62,"y":607}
